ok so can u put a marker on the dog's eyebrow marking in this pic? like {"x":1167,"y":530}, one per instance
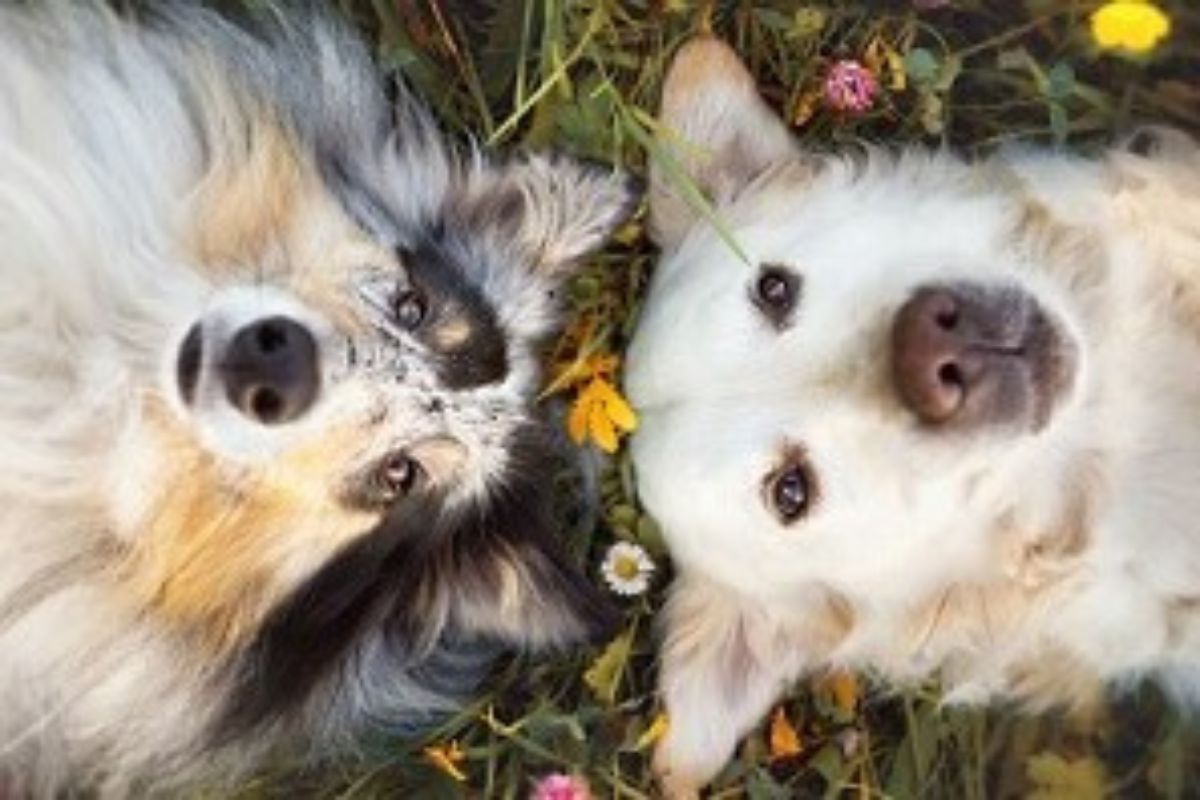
{"x":466,"y":334}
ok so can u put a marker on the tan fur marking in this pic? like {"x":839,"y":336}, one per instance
{"x":1038,"y":557}
{"x":220,"y":548}
{"x":264,"y":211}
{"x":1055,"y":677}
{"x":248,"y":200}
{"x":453,"y":333}
{"x":1076,"y":256}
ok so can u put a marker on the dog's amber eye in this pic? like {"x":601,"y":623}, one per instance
{"x":775,"y":292}
{"x":790,"y":492}
{"x":398,"y":475}
{"x":409,"y":309}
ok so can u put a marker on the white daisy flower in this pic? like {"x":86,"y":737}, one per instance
{"x":627,"y":568}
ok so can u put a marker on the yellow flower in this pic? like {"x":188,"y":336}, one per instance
{"x":582,"y":370}
{"x":601,"y":413}
{"x":1132,"y":25}
{"x":447,"y":757}
{"x":783,"y":738}
{"x":844,"y":687}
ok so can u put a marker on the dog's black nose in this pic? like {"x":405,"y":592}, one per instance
{"x":967,"y":354}
{"x":270,"y":370}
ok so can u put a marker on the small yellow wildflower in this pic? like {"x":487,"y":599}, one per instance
{"x":601,"y":413}
{"x":844,"y":687}
{"x":783,"y":738}
{"x":1135,"y":26}
{"x":447,"y":757}
{"x":883,"y":60}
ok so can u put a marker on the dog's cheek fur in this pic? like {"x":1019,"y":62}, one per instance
{"x":485,"y":570}
{"x":219,"y":544}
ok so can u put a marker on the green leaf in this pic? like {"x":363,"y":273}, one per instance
{"x":1060,"y":81}
{"x":761,"y":786}
{"x":921,"y":65}
{"x":949,"y":72}
{"x":1056,"y":778}
{"x":773,"y":20}
{"x":650,"y":536}
{"x":604,"y":675}
{"x":623,"y":514}
{"x":807,"y":23}
{"x":830,"y":765}
{"x":1014,"y":59}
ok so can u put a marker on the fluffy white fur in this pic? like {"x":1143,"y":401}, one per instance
{"x":1014,"y":564}
{"x":159,"y":172}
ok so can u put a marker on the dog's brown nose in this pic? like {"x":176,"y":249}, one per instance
{"x":943,"y":343}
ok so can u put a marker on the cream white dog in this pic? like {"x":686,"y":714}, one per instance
{"x":907,"y":413}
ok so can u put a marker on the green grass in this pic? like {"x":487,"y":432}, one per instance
{"x":583,"y":76}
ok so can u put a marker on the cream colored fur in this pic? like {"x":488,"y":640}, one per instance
{"x":1031,"y":566}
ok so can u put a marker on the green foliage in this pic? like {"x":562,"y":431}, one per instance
{"x":582,"y":76}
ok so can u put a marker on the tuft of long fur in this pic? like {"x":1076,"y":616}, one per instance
{"x":185,"y":592}
{"x":1038,"y":563}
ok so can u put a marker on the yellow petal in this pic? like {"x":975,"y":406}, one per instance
{"x":446,"y":758}
{"x":899,"y":76}
{"x":577,"y":420}
{"x":601,"y":428}
{"x":1134,"y":26}
{"x":658,"y":729}
{"x":783,"y":738}
{"x":845,"y":690}
{"x":615,"y":406}
{"x":806,"y":106}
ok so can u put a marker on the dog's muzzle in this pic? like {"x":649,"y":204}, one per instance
{"x":269,"y":369}
{"x":966,"y":355}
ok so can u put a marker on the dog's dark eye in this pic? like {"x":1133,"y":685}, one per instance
{"x":775,"y":293}
{"x":397,"y":476}
{"x":409,"y":309}
{"x":790,"y":491}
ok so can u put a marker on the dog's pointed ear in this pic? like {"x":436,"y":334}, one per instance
{"x":724,"y":661}
{"x":721,"y":670}
{"x":555,"y":210}
{"x":714,"y":128}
